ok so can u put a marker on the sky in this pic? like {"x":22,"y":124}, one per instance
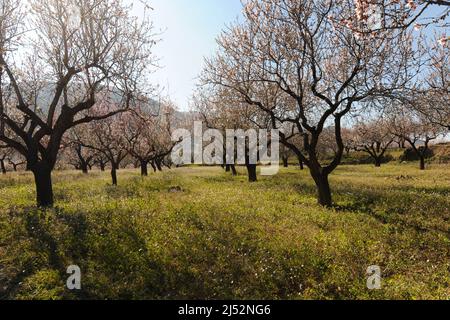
{"x":189,"y":29}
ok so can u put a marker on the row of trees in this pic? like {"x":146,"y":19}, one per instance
{"x":60,"y":60}
{"x":73,"y":77}
{"x":139,"y":137}
{"x":376,"y":137}
{"x":305,"y":67}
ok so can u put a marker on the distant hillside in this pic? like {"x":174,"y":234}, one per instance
{"x":47,"y":93}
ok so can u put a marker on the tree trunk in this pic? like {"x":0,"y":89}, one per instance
{"x":44,"y":189}
{"x":84,"y":168}
{"x":252,"y":177}
{"x":144,"y":168}
{"x":102,"y":166}
{"x":378,"y":162}
{"x":422,"y":162}
{"x":286,"y":162}
{"x":403,"y":144}
{"x":227,"y":168}
{"x":302,"y":166}
{"x":3,"y":168}
{"x":323,"y":189}
{"x":158,"y":165}
{"x":233,"y":170}
{"x":114,"y":175}
{"x":153,"y":166}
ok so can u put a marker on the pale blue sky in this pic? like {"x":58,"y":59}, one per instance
{"x":190,"y":28}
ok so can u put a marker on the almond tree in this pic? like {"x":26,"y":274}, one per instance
{"x":221,"y":109}
{"x":374,"y":138}
{"x":77,"y":155}
{"x":148,"y":135}
{"x":101,"y":161}
{"x":377,"y":15}
{"x":349,"y":139}
{"x":88,"y":50}
{"x":107,"y":137}
{"x":417,"y":131}
{"x":291,"y":60}
{"x":218,"y":114}
{"x":432,"y":99}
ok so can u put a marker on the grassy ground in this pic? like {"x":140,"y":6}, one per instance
{"x":221,"y":237}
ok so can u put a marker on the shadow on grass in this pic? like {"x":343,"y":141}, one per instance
{"x":419,"y":208}
{"x":56,"y":236}
{"x":398,"y":207}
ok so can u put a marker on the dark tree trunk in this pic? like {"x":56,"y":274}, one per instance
{"x":302,"y":166}
{"x":144,"y":168}
{"x":378,"y":162}
{"x":83,"y":163}
{"x":402,"y":144}
{"x":285,"y":162}
{"x":114,"y":174}
{"x":152,"y":163}
{"x":252,"y":177}
{"x":158,"y":165}
{"x":323,"y":189}
{"x":422,"y":162}
{"x":14,"y":167}
{"x":102,"y":166}
{"x":233,"y":170}
{"x":84,"y":168}
{"x":44,"y":189}
{"x":227,"y":168}
{"x":2,"y":165}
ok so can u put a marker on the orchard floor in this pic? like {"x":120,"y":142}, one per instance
{"x":198,"y":233}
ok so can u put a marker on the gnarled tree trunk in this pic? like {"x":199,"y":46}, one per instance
{"x":114,"y":174}
{"x":286,"y":162}
{"x":158,"y":165}
{"x":252,"y":177}
{"x":144,"y":168}
{"x":84,"y":167}
{"x":422,"y":161}
{"x":44,"y":189}
{"x":2,"y":165}
{"x":378,"y":161}
{"x":301,"y":164}
{"x":323,"y":189}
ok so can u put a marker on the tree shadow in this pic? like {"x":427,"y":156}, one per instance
{"x":358,"y":201}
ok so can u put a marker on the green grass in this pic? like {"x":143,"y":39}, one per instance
{"x":223,"y":238}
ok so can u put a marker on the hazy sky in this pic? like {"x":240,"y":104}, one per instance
{"x":190,"y":28}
